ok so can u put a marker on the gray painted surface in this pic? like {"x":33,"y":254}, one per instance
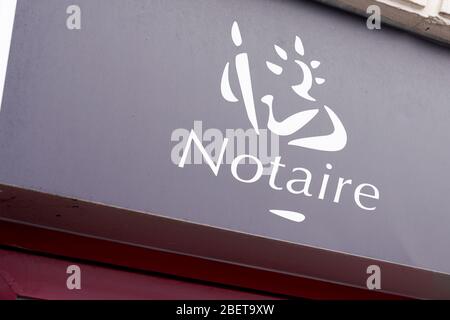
{"x":89,"y":114}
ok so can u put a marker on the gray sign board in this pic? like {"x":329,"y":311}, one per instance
{"x":98,"y":114}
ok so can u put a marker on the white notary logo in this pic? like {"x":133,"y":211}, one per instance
{"x":363,"y":194}
{"x":7,"y":15}
{"x":335,"y":141}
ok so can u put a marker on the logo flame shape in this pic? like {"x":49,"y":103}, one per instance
{"x":335,"y":141}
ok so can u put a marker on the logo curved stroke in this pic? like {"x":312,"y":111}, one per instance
{"x":290,"y":125}
{"x":336,"y":141}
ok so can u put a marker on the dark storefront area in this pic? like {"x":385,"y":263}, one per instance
{"x":244,"y":149}
{"x":37,"y":268}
